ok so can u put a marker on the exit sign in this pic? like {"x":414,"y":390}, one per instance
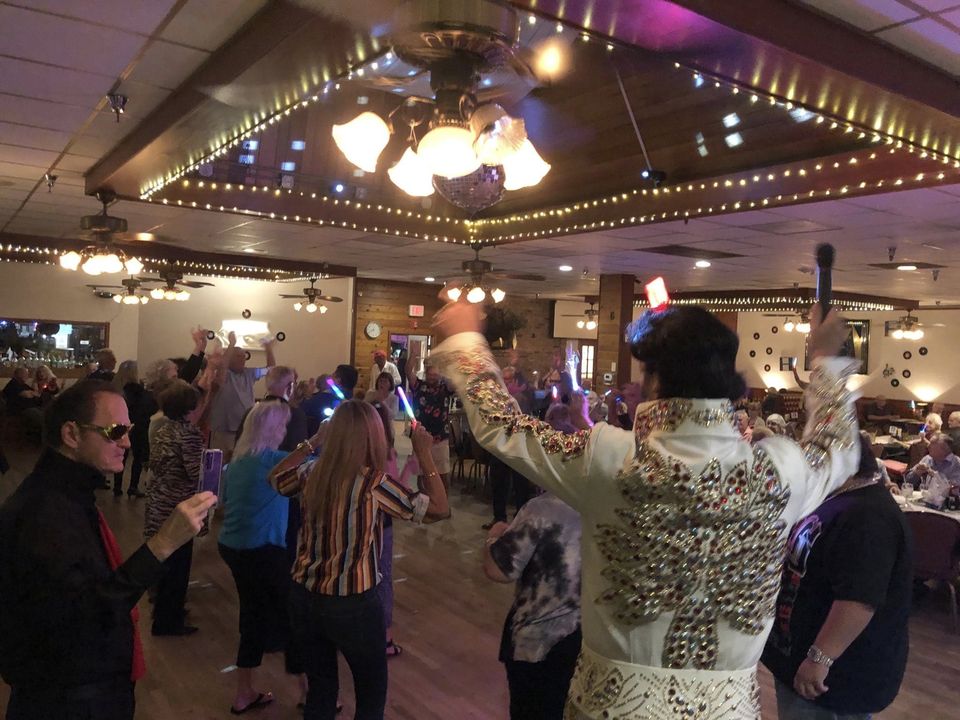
{"x":415,"y":311}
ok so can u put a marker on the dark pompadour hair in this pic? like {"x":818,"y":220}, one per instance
{"x":693,"y":354}
{"x":77,"y":403}
{"x":348,"y":378}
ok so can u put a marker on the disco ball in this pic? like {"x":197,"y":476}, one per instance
{"x":474,"y":192}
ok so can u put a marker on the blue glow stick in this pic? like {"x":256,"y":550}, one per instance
{"x":554,"y":392}
{"x":336,"y":390}
{"x":406,"y":404}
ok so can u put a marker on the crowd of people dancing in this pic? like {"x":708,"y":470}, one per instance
{"x":651,"y":548}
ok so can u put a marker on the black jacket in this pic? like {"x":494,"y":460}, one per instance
{"x":64,"y":614}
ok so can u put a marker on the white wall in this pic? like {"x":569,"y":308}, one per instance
{"x":314,"y":343}
{"x":935,"y":376}
{"x":45,"y":292}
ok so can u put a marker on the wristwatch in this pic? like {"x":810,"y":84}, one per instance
{"x":815,"y":654}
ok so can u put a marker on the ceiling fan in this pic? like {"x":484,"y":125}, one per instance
{"x":130,"y":294}
{"x":311,"y":295}
{"x":789,"y":325}
{"x":172,"y":279}
{"x":907,"y":327}
{"x":480,"y":279}
{"x":462,"y":143}
{"x":588,"y":319}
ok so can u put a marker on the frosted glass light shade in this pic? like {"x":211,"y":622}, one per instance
{"x":133,"y":266}
{"x":298,"y":306}
{"x":454,"y":293}
{"x":412,"y":175}
{"x":476,"y":295}
{"x":524,"y":168}
{"x":70,"y":260}
{"x":362,"y":140}
{"x":93,"y":265}
{"x":591,"y":324}
{"x":183,"y":296}
{"x":311,"y":307}
{"x":448,"y":151}
{"x":157,"y":293}
{"x":498,"y":295}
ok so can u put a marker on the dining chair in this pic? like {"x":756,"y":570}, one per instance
{"x":936,"y":552}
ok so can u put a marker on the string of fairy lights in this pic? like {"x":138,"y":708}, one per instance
{"x":51,"y":256}
{"x":771,"y":303}
{"x":569,"y":212}
{"x":477,"y":230}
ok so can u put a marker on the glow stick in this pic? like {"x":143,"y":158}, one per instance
{"x":657,"y":294}
{"x":406,"y":404}
{"x":336,"y":390}
{"x":555,"y":392}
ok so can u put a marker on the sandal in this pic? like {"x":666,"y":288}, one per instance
{"x":393,"y":650}
{"x":262,"y":700}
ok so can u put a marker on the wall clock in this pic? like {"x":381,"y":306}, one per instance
{"x":372,"y":330}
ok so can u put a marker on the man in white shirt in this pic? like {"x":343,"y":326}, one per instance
{"x":382,"y":365}
{"x":684,"y":524}
{"x":235,"y":395}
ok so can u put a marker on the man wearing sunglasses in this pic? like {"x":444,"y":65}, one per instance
{"x":69,"y":641}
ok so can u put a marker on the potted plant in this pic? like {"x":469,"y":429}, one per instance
{"x":502,"y":326}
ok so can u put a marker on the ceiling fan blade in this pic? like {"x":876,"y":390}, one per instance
{"x":329,"y":298}
{"x":293,"y":297}
{"x":105,"y":287}
{"x":195,"y":283}
{"x":151,"y":279}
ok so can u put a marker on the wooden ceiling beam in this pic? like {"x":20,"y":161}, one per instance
{"x":791,"y":51}
{"x":284,"y":52}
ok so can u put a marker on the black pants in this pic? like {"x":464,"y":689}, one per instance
{"x":538,"y":691}
{"x":168,"y":610}
{"x":352,"y":624}
{"x":110,"y":700}
{"x":136,"y":469}
{"x":262,"y":576}
{"x":293,"y":530}
{"x":501,"y":477}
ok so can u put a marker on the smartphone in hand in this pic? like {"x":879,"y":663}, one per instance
{"x":211,"y":467}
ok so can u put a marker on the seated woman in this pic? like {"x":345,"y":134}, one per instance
{"x":334,"y":603}
{"x":253,"y":544}
{"x":46,"y":383}
{"x":175,"y":455}
{"x":385,"y":394}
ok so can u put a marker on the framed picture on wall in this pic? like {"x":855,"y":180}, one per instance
{"x":857,"y":346}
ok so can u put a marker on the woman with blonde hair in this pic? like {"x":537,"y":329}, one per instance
{"x":45,"y":383}
{"x":253,"y":544}
{"x":334,"y":603}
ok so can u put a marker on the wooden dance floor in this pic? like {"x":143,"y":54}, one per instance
{"x":447,"y":617}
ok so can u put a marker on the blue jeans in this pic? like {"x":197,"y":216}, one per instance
{"x":791,"y":706}
{"x":352,"y":624}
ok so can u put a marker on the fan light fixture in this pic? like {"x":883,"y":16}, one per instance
{"x":448,"y":151}
{"x":788,"y":326}
{"x":362,"y":140}
{"x":412,"y":175}
{"x":99,"y":260}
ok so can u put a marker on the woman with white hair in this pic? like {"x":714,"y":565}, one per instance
{"x":253,"y":544}
{"x":776,"y":424}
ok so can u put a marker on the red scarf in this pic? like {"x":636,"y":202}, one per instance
{"x":139,"y":666}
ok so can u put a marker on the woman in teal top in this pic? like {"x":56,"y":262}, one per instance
{"x":252,"y":543}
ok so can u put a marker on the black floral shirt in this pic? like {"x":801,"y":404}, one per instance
{"x":431,"y":407}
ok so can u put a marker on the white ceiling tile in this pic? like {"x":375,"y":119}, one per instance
{"x":91,"y":146}
{"x":864,"y":14}
{"x":142,"y":99}
{"x":32,"y":137}
{"x":44,"y":82}
{"x":26,"y":172}
{"x":26,"y":156}
{"x":166,"y":65}
{"x":64,"y":42}
{"x":936,"y":5}
{"x":928,"y":40}
{"x":77,"y":163}
{"x":140,"y":16}
{"x":192,"y":26}
{"x":40,"y":113}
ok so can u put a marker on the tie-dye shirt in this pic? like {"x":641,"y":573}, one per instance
{"x":541,"y":551}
